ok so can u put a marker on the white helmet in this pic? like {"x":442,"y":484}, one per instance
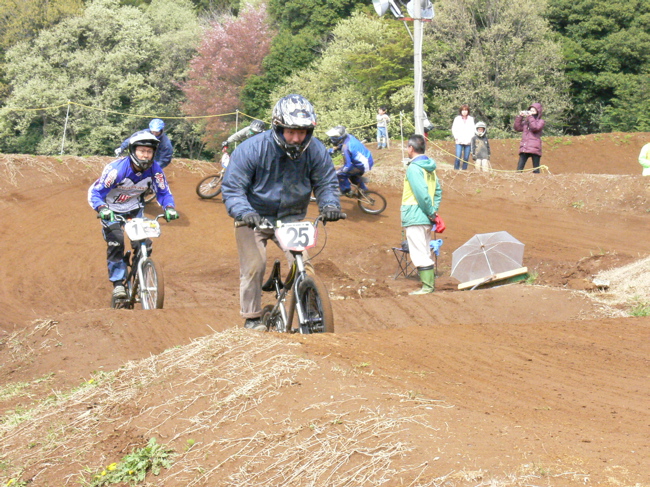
{"x":293,"y":112}
{"x":478,"y":126}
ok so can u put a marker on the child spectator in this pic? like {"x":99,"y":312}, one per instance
{"x":382,"y":128}
{"x":481,"y":148}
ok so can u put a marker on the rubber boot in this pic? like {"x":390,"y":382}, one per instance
{"x":428,"y":278}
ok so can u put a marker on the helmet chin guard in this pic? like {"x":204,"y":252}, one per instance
{"x":293,"y":112}
{"x":142,"y":139}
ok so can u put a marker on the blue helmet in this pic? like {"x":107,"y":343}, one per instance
{"x":156,"y":125}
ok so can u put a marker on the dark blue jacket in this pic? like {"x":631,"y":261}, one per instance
{"x":261,"y":178}
{"x":163,"y":155}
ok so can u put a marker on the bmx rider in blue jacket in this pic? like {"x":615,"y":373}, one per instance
{"x":119,"y":190}
{"x":357,"y":159}
{"x":271,"y":176}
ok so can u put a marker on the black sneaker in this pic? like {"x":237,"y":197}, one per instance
{"x":255,"y":324}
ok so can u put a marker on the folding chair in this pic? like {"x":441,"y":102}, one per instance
{"x":404,"y":265}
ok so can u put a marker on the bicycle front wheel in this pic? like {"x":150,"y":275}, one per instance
{"x":317,"y":308}
{"x":149,"y":196}
{"x":371,"y":202}
{"x":152,"y":287}
{"x":210,"y":186}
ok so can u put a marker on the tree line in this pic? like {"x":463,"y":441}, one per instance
{"x":586,"y":61}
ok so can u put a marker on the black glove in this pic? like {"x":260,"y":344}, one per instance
{"x":252,"y":219}
{"x":331,"y":213}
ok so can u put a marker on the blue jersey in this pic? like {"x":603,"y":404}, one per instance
{"x":121,"y":188}
{"x":355,"y":154}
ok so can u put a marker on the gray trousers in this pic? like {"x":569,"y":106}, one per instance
{"x":251,"y":246}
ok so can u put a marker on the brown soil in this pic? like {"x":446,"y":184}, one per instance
{"x":513,"y":385}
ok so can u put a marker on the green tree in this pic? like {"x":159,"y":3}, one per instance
{"x":110,"y":59}
{"x":302,"y":26}
{"x":367,"y":60}
{"x":21,"y":21}
{"x":497,"y":56}
{"x":606,"y":44}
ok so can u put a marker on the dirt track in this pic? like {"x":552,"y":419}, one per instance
{"x":538,"y":375}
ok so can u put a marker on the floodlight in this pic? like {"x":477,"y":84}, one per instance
{"x":382,"y":6}
{"x":425,"y":13}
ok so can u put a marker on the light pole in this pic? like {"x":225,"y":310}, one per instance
{"x":414,"y":7}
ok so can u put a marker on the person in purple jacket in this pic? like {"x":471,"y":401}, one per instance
{"x":119,"y":190}
{"x":531,"y":124}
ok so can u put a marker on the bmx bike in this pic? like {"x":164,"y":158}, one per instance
{"x":210,"y":186}
{"x":144,"y":281}
{"x":369,"y":201}
{"x":302,"y":292}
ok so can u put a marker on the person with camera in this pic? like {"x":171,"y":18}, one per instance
{"x":530,"y":123}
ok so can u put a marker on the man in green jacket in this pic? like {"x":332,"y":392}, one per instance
{"x":420,"y":201}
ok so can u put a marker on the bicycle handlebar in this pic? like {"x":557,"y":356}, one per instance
{"x":266,"y":225}
{"x":120,"y":218}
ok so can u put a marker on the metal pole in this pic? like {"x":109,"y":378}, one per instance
{"x":418,"y":108}
{"x":65,"y":127}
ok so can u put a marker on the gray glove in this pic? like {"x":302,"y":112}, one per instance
{"x":252,"y":219}
{"x":331,"y":213}
{"x":118,"y":152}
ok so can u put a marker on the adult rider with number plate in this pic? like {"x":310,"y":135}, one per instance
{"x":119,"y":190}
{"x":271,"y":176}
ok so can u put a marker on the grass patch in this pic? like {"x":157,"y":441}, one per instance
{"x":133,"y":468}
{"x":531,"y":277}
{"x":640,"y":308}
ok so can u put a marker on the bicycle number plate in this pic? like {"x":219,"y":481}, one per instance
{"x":139,"y":229}
{"x":296,"y":236}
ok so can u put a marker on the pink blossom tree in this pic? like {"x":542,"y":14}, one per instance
{"x":230,"y":51}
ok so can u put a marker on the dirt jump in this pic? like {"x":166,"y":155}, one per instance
{"x":545,"y":381}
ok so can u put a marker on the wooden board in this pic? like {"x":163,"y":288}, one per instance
{"x":496,"y":277}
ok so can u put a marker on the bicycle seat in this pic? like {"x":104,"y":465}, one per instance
{"x":269,"y":286}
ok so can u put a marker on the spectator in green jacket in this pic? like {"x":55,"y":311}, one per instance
{"x":644,"y":159}
{"x":420,"y":202}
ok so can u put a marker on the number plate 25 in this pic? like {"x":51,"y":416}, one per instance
{"x":296,"y":236}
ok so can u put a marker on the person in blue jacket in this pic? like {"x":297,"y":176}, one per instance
{"x":357,"y":159}
{"x":271,"y":176}
{"x":165,"y":149}
{"x":119,"y":190}
{"x":420,"y":202}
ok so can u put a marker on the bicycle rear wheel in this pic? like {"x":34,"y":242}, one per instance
{"x":371,"y":202}
{"x":210,"y":186}
{"x":152,"y":287}
{"x":315,"y":301}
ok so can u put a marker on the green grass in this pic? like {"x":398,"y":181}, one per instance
{"x":531,"y":277}
{"x":640,"y":308}
{"x":133,"y":468}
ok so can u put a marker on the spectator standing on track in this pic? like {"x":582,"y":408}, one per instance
{"x":462,"y":130}
{"x":382,"y":128}
{"x":481,"y":148}
{"x":531,"y":124}
{"x":644,"y":159}
{"x":420,"y":202}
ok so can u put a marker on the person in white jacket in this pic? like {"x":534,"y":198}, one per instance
{"x":463,"y":130}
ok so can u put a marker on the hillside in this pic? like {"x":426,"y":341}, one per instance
{"x":525,"y":384}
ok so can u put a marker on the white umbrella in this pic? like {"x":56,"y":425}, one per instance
{"x":485,"y":255}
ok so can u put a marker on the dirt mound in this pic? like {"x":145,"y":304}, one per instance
{"x":516,"y":385}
